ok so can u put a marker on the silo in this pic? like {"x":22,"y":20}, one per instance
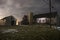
{"x":30,"y":17}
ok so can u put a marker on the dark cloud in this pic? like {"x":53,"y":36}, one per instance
{"x":18,"y":8}
{"x":2,"y":2}
{"x":58,"y":1}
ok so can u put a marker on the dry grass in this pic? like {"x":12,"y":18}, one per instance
{"x":31,"y":32}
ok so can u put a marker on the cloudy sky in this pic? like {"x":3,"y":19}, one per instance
{"x":18,"y":8}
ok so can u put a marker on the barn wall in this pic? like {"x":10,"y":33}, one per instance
{"x":2,"y":22}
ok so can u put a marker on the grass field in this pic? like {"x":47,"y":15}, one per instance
{"x":30,"y":32}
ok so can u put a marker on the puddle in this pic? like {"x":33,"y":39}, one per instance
{"x":58,"y":28}
{"x":9,"y":31}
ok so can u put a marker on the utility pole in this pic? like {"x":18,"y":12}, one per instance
{"x":50,"y":11}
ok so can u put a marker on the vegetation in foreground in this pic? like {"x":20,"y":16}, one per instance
{"x":33,"y":32}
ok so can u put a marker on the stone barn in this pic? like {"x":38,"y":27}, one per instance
{"x":10,"y":20}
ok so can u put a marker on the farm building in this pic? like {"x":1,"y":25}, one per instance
{"x":45,"y":18}
{"x":10,"y":20}
{"x":41,"y":20}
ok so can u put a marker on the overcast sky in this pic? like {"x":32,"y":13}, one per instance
{"x":18,"y":8}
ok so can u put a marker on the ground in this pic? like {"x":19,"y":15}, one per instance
{"x":30,"y":32}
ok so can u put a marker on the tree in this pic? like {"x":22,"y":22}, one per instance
{"x":25,"y":20}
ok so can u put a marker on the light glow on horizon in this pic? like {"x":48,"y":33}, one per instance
{"x":16,"y":22}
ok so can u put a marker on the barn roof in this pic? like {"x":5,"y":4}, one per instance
{"x":48,"y":15}
{"x":9,"y":17}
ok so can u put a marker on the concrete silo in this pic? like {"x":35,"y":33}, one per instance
{"x":30,"y":17}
